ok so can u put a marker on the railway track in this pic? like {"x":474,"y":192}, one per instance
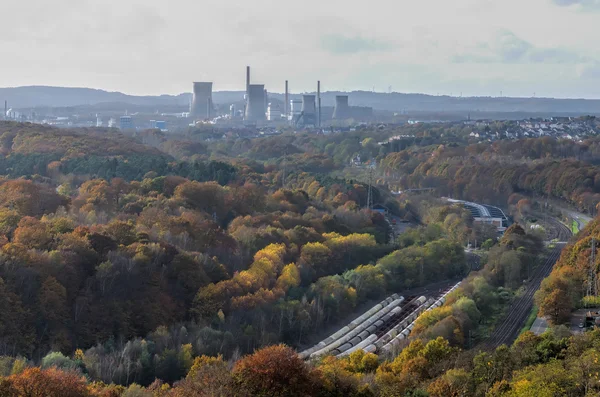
{"x":558,"y":230}
{"x":508,"y":330}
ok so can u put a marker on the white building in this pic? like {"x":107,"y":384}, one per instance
{"x":295,"y":109}
{"x":273,"y":112}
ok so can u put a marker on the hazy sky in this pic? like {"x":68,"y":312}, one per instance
{"x":477,"y":47}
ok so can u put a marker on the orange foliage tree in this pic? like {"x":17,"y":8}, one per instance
{"x":34,"y":382}
{"x":274,"y":371}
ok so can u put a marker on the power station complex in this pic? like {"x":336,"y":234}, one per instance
{"x":305,"y":112}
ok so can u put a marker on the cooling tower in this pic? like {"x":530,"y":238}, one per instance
{"x":342,"y":110}
{"x":309,"y":110}
{"x":309,"y":106}
{"x":202,"y":105}
{"x":255,"y":111}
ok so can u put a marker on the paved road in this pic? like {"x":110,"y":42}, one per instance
{"x":539,"y":326}
{"x":582,"y":219}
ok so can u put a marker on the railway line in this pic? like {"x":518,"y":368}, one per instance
{"x":561,"y":231}
{"x":508,"y":330}
{"x":385,"y":328}
{"x":556,"y":230}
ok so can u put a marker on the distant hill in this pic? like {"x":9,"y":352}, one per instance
{"x":40,"y":96}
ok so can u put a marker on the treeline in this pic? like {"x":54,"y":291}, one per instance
{"x":127,"y":267}
{"x":197,"y":268}
{"x":28,"y":150}
{"x":123,"y":246}
{"x":567,"y":286}
{"x":136,"y":167}
{"x":492,"y":173}
{"x":553,"y":364}
{"x":27,"y":139}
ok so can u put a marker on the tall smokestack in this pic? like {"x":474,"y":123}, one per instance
{"x":247,"y":89}
{"x":287,"y":100}
{"x":319,"y":103}
{"x":202,"y":100}
{"x":247,"y":80}
{"x":5,"y":110}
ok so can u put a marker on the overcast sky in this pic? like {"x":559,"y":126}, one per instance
{"x":477,"y":47}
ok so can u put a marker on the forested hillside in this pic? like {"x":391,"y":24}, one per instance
{"x":137,"y":260}
{"x":134,"y":257}
{"x":567,"y":287}
{"x":493,"y":173}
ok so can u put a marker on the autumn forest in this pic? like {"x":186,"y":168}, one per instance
{"x":198,"y":264}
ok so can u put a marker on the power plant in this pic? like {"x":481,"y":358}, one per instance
{"x":273,"y":112}
{"x":341,"y":110}
{"x":251,"y":110}
{"x":295,"y":109}
{"x":258,"y":107}
{"x":255,"y":103}
{"x":308,"y":114}
{"x":202,"y":104}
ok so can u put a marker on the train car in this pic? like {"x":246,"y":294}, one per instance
{"x":344,"y":330}
{"x":404,"y":334}
{"x":351,"y":337}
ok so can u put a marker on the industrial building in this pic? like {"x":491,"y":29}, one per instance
{"x":202,"y":103}
{"x":295,"y":109}
{"x":126,"y":123}
{"x":308,"y":116}
{"x":341,"y":110}
{"x":486,"y":214}
{"x":274,"y":112}
{"x":255,"y":107}
{"x":158,"y":125}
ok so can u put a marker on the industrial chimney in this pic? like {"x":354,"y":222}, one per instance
{"x":287,"y":100}
{"x":202,"y":104}
{"x":247,"y":80}
{"x":255,"y":110}
{"x":319,"y":103}
{"x":342,"y":110}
